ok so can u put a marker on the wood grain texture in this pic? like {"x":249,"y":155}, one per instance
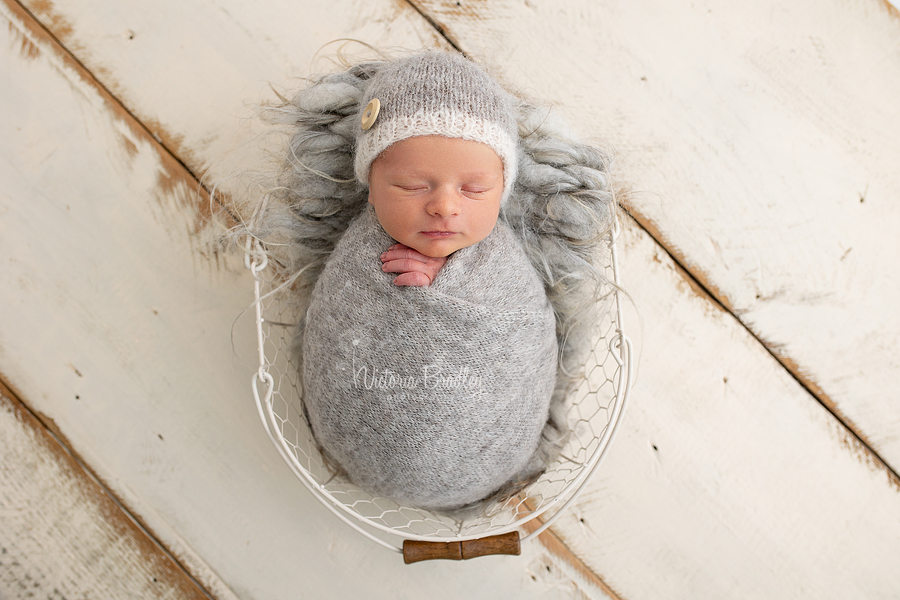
{"x":123,"y":338}
{"x":61,"y":535}
{"x":762,"y":141}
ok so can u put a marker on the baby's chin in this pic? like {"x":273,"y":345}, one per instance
{"x":431,"y":253}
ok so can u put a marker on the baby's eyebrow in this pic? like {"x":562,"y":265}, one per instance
{"x":483,"y":174}
{"x":480,"y":176}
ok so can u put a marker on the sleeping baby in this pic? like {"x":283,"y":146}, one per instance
{"x":429,"y":352}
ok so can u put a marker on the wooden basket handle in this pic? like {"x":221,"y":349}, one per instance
{"x":507,"y":543}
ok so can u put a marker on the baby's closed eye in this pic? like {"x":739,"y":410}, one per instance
{"x":412,"y":187}
{"x":475,"y":191}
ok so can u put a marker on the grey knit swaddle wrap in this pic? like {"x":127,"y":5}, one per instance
{"x":432,"y":396}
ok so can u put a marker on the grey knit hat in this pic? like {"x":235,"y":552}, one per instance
{"x":435,"y":93}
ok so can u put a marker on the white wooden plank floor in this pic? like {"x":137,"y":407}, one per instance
{"x":61,"y":530}
{"x":759,"y":456}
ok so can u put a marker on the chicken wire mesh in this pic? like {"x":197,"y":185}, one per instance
{"x":591,"y":413}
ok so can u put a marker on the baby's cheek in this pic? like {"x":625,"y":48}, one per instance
{"x":395,"y":228}
{"x":484,"y":231}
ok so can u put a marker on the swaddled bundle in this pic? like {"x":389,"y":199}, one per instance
{"x":433,"y":396}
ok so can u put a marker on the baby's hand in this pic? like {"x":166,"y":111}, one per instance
{"x":415,"y":268}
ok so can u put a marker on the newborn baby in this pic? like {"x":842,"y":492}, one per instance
{"x":432,"y":387}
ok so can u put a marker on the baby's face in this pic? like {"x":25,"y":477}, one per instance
{"x":436,"y":194}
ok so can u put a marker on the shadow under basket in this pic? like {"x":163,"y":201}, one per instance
{"x":592,"y":412}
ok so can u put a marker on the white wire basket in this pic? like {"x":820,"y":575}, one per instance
{"x":592,"y":414}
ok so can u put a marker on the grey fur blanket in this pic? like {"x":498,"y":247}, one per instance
{"x":433,"y":396}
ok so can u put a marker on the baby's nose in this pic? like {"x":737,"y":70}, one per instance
{"x":444,"y":203}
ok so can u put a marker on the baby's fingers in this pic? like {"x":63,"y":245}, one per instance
{"x":414,"y":268}
{"x":412,"y":278}
{"x":402,"y":265}
{"x":399,"y":251}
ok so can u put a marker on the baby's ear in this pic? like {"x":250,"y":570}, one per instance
{"x":369,"y":196}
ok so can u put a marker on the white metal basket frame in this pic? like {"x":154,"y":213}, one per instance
{"x":620,"y":348}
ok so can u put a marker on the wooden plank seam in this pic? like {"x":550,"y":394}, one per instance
{"x":50,"y":430}
{"x":437,"y":26}
{"x":715,"y":297}
{"x":41,"y":29}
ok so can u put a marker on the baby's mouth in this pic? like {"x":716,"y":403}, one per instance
{"x":438,"y":234}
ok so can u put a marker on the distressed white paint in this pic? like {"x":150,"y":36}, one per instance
{"x":122,"y":336}
{"x":205,"y":65}
{"x":751,"y":131}
{"x":60,"y":536}
{"x":728,"y":479}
